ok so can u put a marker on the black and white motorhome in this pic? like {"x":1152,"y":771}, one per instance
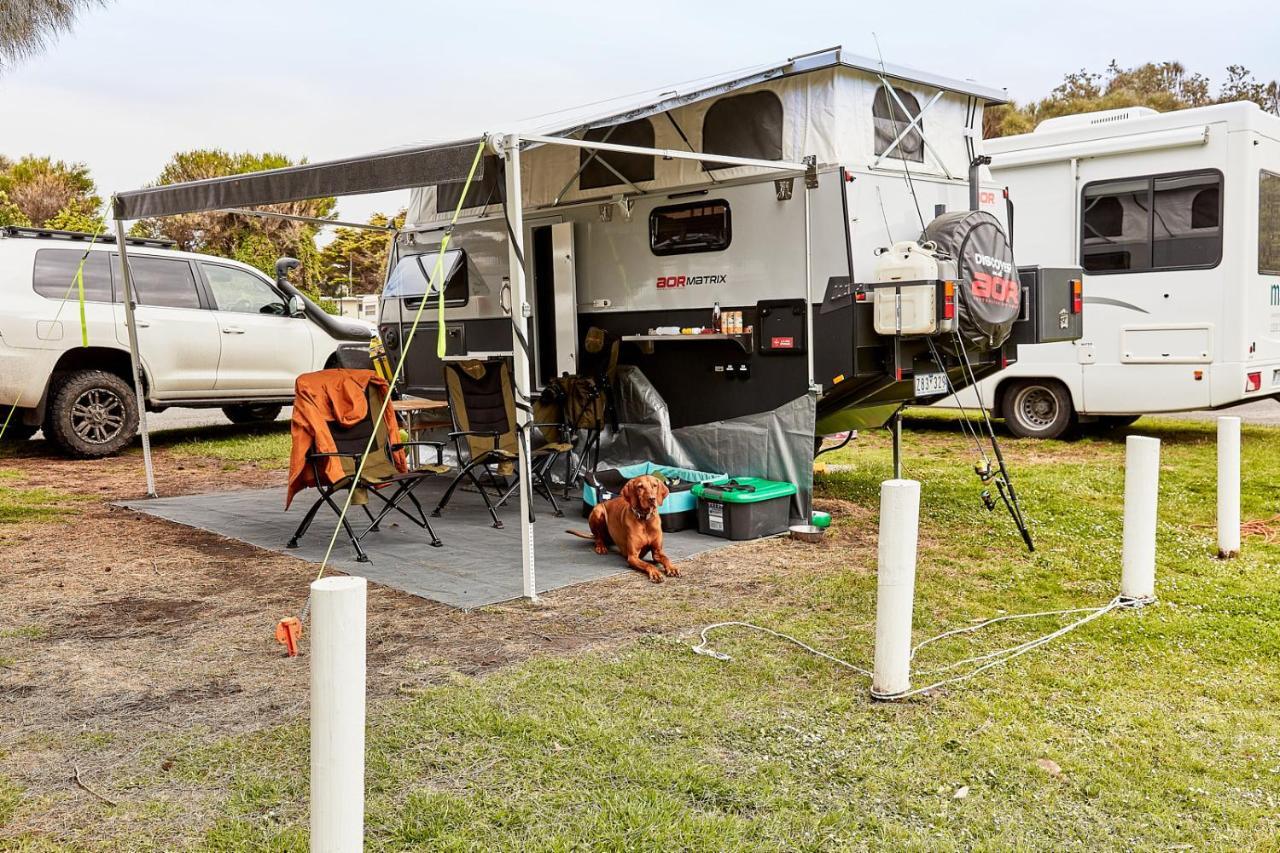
{"x":840,"y":205}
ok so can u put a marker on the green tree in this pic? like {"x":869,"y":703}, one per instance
{"x":28,"y":26}
{"x":257,"y":241}
{"x":1162,"y":86}
{"x":356,"y":258}
{"x":41,"y":188}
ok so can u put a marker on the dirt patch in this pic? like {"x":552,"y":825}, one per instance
{"x":128,"y":628}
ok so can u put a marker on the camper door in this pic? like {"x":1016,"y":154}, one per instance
{"x":1151,"y":248}
{"x":552,"y":275}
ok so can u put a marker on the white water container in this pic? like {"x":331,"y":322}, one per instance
{"x":906,"y":309}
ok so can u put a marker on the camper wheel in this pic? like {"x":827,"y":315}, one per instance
{"x":1037,"y":408}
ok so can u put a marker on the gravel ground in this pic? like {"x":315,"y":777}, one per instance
{"x":1264,"y":412}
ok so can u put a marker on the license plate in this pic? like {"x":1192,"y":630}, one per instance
{"x":931,"y":384}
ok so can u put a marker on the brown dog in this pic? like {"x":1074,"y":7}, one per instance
{"x":631,"y":522}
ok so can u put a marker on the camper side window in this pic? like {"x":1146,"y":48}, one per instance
{"x":891,"y":116}
{"x":700,"y":226}
{"x":1161,"y":222}
{"x":414,"y":275}
{"x":1268,"y":223}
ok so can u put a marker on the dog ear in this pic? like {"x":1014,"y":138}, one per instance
{"x":628,"y":493}
{"x":663,"y":491}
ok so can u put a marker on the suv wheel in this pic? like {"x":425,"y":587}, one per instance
{"x":250,"y":414}
{"x":92,"y":413}
{"x":1037,"y":408}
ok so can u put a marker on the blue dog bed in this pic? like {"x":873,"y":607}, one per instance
{"x":678,"y":512}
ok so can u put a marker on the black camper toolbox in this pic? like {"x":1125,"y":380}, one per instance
{"x":744,"y":508}
{"x":1051,"y":305}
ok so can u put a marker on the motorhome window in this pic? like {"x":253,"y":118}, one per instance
{"x":700,"y":226}
{"x":1187,"y":221}
{"x":163,"y":282}
{"x":1268,"y":223}
{"x":411,"y":276}
{"x":747,"y":125}
{"x":634,"y":167}
{"x":55,"y":275}
{"x":484,"y":189}
{"x":891,"y":120}
{"x":1163,"y":222}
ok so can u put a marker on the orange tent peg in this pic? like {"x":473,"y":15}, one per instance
{"x":288,"y":632}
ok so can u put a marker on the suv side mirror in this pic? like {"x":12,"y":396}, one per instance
{"x":297,"y":307}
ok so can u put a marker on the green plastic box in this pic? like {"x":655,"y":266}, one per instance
{"x":744,"y":507}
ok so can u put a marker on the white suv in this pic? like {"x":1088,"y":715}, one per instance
{"x":213,"y":333}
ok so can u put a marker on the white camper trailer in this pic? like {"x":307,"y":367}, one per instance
{"x":629,"y":230}
{"x":1175,"y":220}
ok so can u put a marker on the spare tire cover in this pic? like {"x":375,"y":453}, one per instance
{"x":987,"y":278}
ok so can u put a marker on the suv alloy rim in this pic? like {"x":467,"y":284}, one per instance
{"x":1036,"y":407}
{"x":97,"y":415}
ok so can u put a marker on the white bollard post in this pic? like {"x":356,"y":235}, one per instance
{"x":1228,"y":488}
{"x":1141,"y":488}
{"x":895,"y":587}
{"x":337,"y":714}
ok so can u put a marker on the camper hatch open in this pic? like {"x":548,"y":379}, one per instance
{"x":1175,"y":218}
{"x":826,"y":198}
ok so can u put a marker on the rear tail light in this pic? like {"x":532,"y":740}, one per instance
{"x":1077,"y":296}
{"x":1253,"y":381}
{"x":949,"y":300}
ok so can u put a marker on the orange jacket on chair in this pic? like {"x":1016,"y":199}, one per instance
{"x":331,"y":395}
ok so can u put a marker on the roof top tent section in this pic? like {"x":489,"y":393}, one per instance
{"x":1175,"y":219}
{"x":638,"y":242}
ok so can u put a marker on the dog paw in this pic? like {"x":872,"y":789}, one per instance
{"x":671,"y":571}
{"x":655,"y":576}
{"x":600,"y":549}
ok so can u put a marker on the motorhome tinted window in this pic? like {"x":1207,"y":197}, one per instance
{"x":891,"y":116}
{"x":700,"y":226}
{"x":55,"y":275}
{"x":1163,"y":222}
{"x":1269,"y":223}
{"x":1115,"y":231}
{"x":743,"y":126}
{"x":1186,"y":221}
{"x":412,"y":274}
{"x":164,"y":282}
{"x":484,"y":189}
{"x":596,"y":171}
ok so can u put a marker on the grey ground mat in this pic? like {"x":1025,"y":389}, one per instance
{"x":478,"y":564}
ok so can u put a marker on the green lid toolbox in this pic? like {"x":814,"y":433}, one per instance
{"x":744,"y":507}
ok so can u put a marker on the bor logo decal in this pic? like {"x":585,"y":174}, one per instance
{"x":994,"y":286}
{"x":665,"y":281}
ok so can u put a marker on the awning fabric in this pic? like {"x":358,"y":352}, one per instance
{"x":387,"y":170}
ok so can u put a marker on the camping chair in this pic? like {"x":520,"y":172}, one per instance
{"x":380,"y":476}
{"x":483,"y":404}
{"x":587,"y":400}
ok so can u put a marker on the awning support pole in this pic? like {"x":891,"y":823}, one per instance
{"x":135,"y":360}
{"x":810,"y":184}
{"x":520,"y":314}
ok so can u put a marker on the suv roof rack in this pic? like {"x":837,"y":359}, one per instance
{"x":82,"y":236}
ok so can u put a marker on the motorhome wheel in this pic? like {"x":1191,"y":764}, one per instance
{"x":251,"y":414}
{"x":1037,"y":408}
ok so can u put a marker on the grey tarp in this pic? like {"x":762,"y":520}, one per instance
{"x":776,"y":445}
{"x":387,"y":170}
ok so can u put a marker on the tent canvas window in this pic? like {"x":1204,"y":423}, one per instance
{"x":483,"y":191}
{"x":747,"y":125}
{"x":634,"y":168}
{"x":891,"y":118}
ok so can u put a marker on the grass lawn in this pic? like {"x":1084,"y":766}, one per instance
{"x":1144,"y":729}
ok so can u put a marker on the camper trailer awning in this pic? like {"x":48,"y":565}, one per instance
{"x":386,"y":170}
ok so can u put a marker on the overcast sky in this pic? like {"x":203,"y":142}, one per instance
{"x":140,"y":79}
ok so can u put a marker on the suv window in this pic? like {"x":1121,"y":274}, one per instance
{"x":242,"y":292}
{"x":1165,"y":222}
{"x":55,"y":274}
{"x":164,"y":282}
